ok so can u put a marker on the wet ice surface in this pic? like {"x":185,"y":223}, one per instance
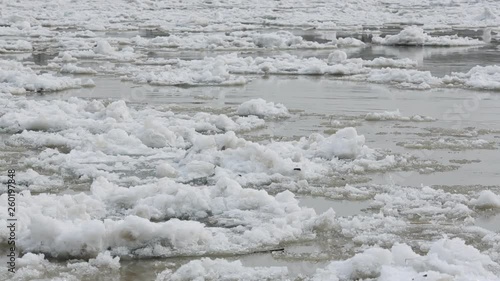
{"x":121,"y":132}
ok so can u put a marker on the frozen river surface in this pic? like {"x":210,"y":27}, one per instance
{"x":228,"y":140}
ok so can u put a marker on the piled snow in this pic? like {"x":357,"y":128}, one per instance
{"x":219,"y":269}
{"x":447,"y":259}
{"x":395,"y":116}
{"x":261,"y":108}
{"x":415,"y":36}
{"x":486,"y":199}
{"x":16,"y":78}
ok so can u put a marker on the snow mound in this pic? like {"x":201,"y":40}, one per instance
{"x":261,"y":108}
{"x":415,"y":36}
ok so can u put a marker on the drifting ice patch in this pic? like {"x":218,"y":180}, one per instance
{"x":395,"y":116}
{"x":261,"y":108}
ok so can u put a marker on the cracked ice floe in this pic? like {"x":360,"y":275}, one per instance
{"x":16,"y":78}
{"x":415,"y":36}
{"x":397,"y":116}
